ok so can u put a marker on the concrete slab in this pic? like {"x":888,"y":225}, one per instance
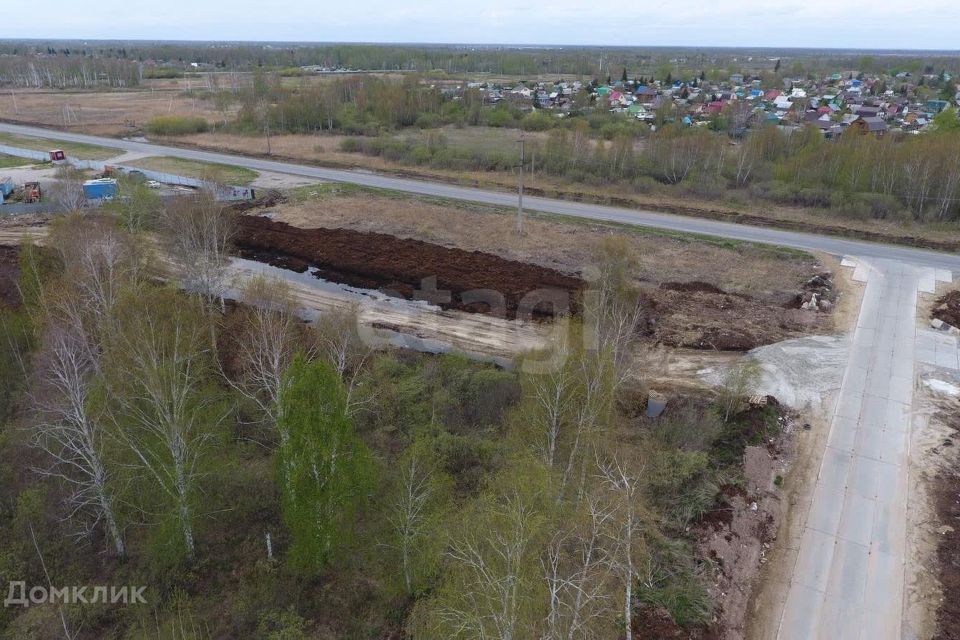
{"x":848,"y":573}
{"x":802,"y":613}
{"x":815,"y":559}
{"x":854,"y":540}
{"x":856,"y":519}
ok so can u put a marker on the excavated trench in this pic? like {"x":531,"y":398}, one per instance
{"x":451,"y":278}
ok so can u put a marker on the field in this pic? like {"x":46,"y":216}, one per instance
{"x":12,"y":161}
{"x":224,"y":173}
{"x":78,"y":149}
{"x":109,"y":113}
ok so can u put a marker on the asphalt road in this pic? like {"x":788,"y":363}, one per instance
{"x":808,"y":241}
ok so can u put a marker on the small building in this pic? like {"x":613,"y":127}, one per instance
{"x":863,"y":126}
{"x":57,"y":156}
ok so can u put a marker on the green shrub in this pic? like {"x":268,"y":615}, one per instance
{"x":177,"y":125}
{"x":427,"y":121}
{"x":162,"y":73}
{"x":537,"y":121}
{"x":351,"y":145}
{"x":499,"y":118}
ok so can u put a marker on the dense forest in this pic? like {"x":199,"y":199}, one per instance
{"x":266,"y":478}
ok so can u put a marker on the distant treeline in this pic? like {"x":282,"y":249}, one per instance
{"x":598,"y":62}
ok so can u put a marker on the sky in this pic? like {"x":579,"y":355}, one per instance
{"x":862,"y":24}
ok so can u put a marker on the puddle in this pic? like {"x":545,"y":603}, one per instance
{"x":656,"y":403}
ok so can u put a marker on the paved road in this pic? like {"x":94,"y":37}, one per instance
{"x":848,"y":581}
{"x":830,"y":244}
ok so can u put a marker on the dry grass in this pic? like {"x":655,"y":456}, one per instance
{"x":559,"y":244}
{"x":107,"y":113}
{"x":325,"y":149}
{"x":221,"y":173}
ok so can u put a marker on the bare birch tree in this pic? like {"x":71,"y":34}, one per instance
{"x":613,"y":310}
{"x":161,"y":365}
{"x":265,"y":346}
{"x":421,"y":494}
{"x":493,"y":583}
{"x":339,"y":343}
{"x":578,"y":576}
{"x":627,"y":549}
{"x":72,"y":432}
{"x":67,"y":190}
{"x":198,"y":232}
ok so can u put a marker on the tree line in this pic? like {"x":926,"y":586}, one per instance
{"x":66,"y":72}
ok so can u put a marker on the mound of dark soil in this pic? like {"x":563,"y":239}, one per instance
{"x":400,"y":266}
{"x":656,"y":623}
{"x":948,"y":309}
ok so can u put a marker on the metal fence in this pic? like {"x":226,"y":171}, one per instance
{"x":227,"y":193}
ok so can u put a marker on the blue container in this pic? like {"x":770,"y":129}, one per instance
{"x":6,"y":188}
{"x":102,"y":189}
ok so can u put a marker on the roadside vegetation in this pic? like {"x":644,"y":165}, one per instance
{"x":176,"y":125}
{"x":13,"y":161}
{"x":267,"y":478}
{"x":215,"y":172}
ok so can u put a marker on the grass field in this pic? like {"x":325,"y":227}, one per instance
{"x":13,"y":161}
{"x":75,"y":149}
{"x":476,"y":139}
{"x":224,"y":173}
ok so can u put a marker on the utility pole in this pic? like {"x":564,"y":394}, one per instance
{"x":520,"y":190}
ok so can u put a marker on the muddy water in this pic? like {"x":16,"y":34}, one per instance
{"x":419,"y":325}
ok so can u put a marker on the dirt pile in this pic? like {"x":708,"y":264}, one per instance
{"x":656,"y":623}
{"x":699,"y":315}
{"x":946,"y":501}
{"x":948,"y":309}
{"x":400,"y":266}
{"x":9,"y":273}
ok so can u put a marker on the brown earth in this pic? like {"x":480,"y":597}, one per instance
{"x":746,"y":298}
{"x":701,"y":316}
{"x":400,"y":265}
{"x":945,"y":492}
{"x":656,"y":623}
{"x":947,"y":308}
{"x":9,"y":273}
